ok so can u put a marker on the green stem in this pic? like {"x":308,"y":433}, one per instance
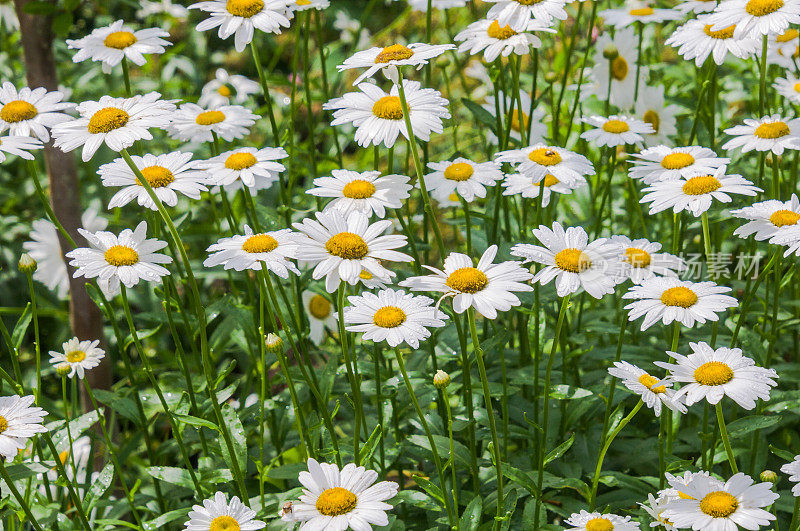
{"x":725,"y":440}
{"x":355,"y":385}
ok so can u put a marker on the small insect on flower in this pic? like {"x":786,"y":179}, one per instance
{"x":18,"y":423}
{"x":27,"y":112}
{"x":417,"y":54}
{"x":216,"y":514}
{"x":111,"y":44}
{"x":241,"y":17}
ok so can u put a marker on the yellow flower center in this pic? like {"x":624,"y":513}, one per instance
{"x":725,"y":33}
{"x":516,"y":124}
{"x":496,"y":32}
{"x":119,"y":40}
{"x":121,"y":255}
{"x":240,"y":161}
{"x":702,"y":184}
{"x":244,"y":8}
{"x":599,"y":524}
{"x":63,"y":457}
{"x":684,"y":496}
{"x":772,"y":130}
{"x":713,"y":373}
{"x":210,"y":118}
{"x":797,"y":87}
{"x":224,"y":523}
{"x":573,"y":260}
{"x":388,"y":108}
{"x":781,"y":218}
{"x":760,"y":8}
{"x":719,"y":504}
{"x":467,"y":280}
{"x":619,"y":68}
{"x":106,"y":120}
{"x":651,"y":117}
{"x":616,"y":127}
{"x":395,"y":52}
{"x":648,"y":381}
{"x":303,"y":2}
{"x":76,"y":356}
{"x":157,"y":176}
{"x":545,"y":156}
{"x":679,"y":296}
{"x":347,"y":246}
{"x":319,"y":307}
{"x":259,"y":243}
{"x":17,"y":111}
{"x":788,"y":35}
{"x":677,"y":161}
{"x":365,"y":275}
{"x":528,"y":2}
{"x":3,"y":424}
{"x":336,"y":501}
{"x":389,"y":317}
{"x":459,"y":171}
{"x":358,"y":189}
{"x":224,"y":91}
{"x":641,"y":12}
{"x":637,"y":257}
{"x":549,"y":180}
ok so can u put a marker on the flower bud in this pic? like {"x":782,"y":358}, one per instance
{"x":273,"y":343}
{"x":769,"y":476}
{"x":27,"y":264}
{"x":610,"y":52}
{"x":551,"y":77}
{"x":62,"y":369}
{"x":441,"y":379}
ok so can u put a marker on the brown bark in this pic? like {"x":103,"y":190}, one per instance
{"x":40,"y":68}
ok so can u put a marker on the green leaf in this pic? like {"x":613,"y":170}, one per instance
{"x":239,"y":441}
{"x":783,"y":454}
{"x":171,"y":474}
{"x":195,"y":421}
{"x":164,"y":519}
{"x":565,"y":392}
{"x":471,"y":517}
{"x":141,"y":335}
{"x":559,"y":450}
{"x":481,"y":115}
{"x":39,"y":7}
{"x":122,"y":405}
{"x":741,"y":427}
{"x":25,"y":470}
{"x":22,"y":325}
{"x":434,"y":491}
{"x":418,"y":499}
{"x":369,"y":447}
{"x":521,"y":478}
{"x":100,"y":484}
{"x":76,"y":426}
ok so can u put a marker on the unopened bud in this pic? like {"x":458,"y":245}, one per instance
{"x":551,"y":77}
{"x":27,"y":264}
{"x":62,"y":369}
{"x":610,"y":52}
{"x":441,"y":379}
{"x":273,"y":343}
{"x":769,"y":476}
{"x":442,"y":61}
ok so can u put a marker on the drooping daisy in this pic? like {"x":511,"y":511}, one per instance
{"x":770,"y":133}
{"x":127,"y":258}
{"x":305,"y":5}
{"x":79,"y":356}
{"x":768,"y":218}
{"x":711,"y":504}
{"x":341,"y":499}
{"x":192,"y":123}
{"x":697,"y":40}
{"x":528,"y":187}
{"x":378,"y":116}
{"x":166,"y":174}
{"x":18,"y":423}
{"x":661,"y":163}
{"x":654,"y":391}
{"x":651,"y":108}
{"x":696,"y":194}
{"x":366,"y":192}
{"x":622,"y":68}
{"x":31,"y":112}
{"x":271,"y":250}
{"x":392,"y":316}
{"x":522,"y":14}
{"x":655,"y":508}
{"x":793,"y":469}
{"x":616,"y":130}
{"x":468,"y":179}
{"x":111,"y":44}
{"x":416,"y":54}
{"x":788,"y":87}
{"x":586,"y":521}
{"x":533,"y":121}
{"x":573,"y":261}
{"x":540,"y":160}
{"x":241,"y":17}
{"x":641,"y":12}
{"x":216,"y":514}
{"x":226,"y":88}
{"x":117,"y":122}
{"x":696,"y":6}
{"x":19,"y":146}
{"x":669,"y":299}
{"x":487,"y":287}
{"x":320,"y":315}
{"x":641,"y":260}
{"x":754,"y":18}
{"x":494,"y":40}
{"x":244,"y":165}
{"x":341,"y":247}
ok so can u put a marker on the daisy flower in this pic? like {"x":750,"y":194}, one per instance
{"x":616,"y":130}
{"x":127,"y":258}
{"x":468,"y":179}
{"x":245,"y":165}
{"x":697,"y":40}
{"x":341,"y":247}
{"x":192,"y":123}
{"x":19,"y":422}
{"x":653,"y":391}
{"x":167,"y":174}
{"x":487,"y":287}
{"x":783,"y":49}
{"x":586,"y":521}
{"x":19,"y":146}
{"x":241,"y":17}
{"x":341,"y":499}
{"x":641,"y":260}
{"x":493,"y":40}
{"x":652,"y":109}
{"x":216,"y":514}
{"x":534,"y":122}
{"x":622,"y":68}
{"x":416,"y":54}
{"x":320,"y":316}
{"x":79,"y":356}
{"x":695,"y":194}
{"x":768,"y":218}
{"x":770,"y":133}
{"x":271,"y":250}
{"x":788,"y":87}
{"x":638,"y":12}
{"x":167,"y":7}
{"x":661,"y":163}
{"x":655,"y":508}
{"x":304,"y":5}
{"x":573,"y":261}
{"x":714,"y":505}
{"x":366,"y":192}
{"x":31,"y":112}
{"x":540,"y":160}
{"x":378,"y":116}
{"x":392,"y":316}
{"x":793,"y":469}
{"x":117,"y":122}
{"x":696,"y":6}
{"x":754,"y":18}
{"x":669,"y":299}
{"x":528,"y":187}
{"x":226,"y":88}
{"x":522,"y":14}
{"x":111,"y":44}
